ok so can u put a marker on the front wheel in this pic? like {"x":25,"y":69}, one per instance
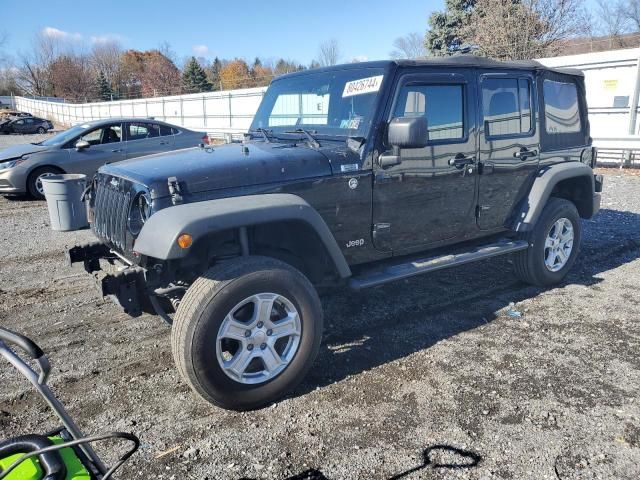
{"x":246,"y":332}
{"x":34,"y":181}
{"x":554,"y":245}
{"x":41,"y":130}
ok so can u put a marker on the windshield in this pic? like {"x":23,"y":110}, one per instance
{"x":335,"y":103}
{"x":64,"y":137}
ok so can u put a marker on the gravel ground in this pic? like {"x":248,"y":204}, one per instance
{"x":428,"y":378}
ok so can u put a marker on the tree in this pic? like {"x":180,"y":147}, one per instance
{"x":283,"y":67}
{"x":632,"y":9}
{"x":260,"y":73}
{"x":71,"y":77}
{"x":149,"y":73}
{"x":103,"y":88}
{"x":614,"y":20}
{"x":194,"y":78}
{"x":34,"y":71}
{"x":519,"y":30}
{"x":106,"y":58}
{"x":410,"y":46}
{"x":235,"y":74}
{"x":329,"y":53}
{"x":213,"y":74}
{"x":445,"y":27}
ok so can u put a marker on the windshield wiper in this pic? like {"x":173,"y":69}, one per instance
{"x":312,"y":141}
{"x":264,"y":132}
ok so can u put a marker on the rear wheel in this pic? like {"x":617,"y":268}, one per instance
{"x":555,"y":243}
{"x":246,"y":332}
{"x":34,"y":181}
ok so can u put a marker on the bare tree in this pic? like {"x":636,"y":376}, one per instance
{"x":34,"y":71}
{"x":632,"y":10}
{"x":329,"y":53}
{"x":614,"y":21}
{"x":106,"y":57}
{"x":3,"y":42}
{"x":410,"y":46}
{"x":528,"y":29}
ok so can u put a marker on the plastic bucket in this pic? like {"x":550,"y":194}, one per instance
{"x":64,"y":200}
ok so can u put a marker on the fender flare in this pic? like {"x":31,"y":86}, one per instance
{"x":529,"y":210}
{"x":159,"y":235}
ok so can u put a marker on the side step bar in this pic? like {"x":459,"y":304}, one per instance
{"x":417,"y":267}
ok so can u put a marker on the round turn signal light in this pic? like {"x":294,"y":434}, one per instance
{"x":185,"y":240}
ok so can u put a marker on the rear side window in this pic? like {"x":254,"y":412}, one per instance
{"x":142,"y":130}
{"x":441,"y":104}
{"x":506,"y":106}
{"x":165,"y":130}
{"x":561,"y":107}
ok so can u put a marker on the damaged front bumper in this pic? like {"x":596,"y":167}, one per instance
{"x":126,"y":286}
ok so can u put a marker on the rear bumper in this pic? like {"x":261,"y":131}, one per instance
{"x":126,"y":287}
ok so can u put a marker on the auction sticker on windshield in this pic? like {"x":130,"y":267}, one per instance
{"x":362,"y":86}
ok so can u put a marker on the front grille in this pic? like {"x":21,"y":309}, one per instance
{"x":111,"y":213}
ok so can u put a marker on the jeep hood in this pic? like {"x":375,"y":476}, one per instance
{"x":17,"y":151}
{"x":222,"y":166}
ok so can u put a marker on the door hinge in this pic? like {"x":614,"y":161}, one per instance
{"x":382,"y":235}
{"x":480,"y":209}
{"x":174,"y":190}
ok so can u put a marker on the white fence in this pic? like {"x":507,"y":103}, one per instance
{"x":217,"y":113}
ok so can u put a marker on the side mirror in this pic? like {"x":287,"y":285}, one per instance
{"x":82,"y":145}
{"x":408,"y":132}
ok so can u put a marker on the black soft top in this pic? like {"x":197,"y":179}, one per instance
{"x":470,"y":61}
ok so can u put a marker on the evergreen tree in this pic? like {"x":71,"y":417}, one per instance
{"x":213,"y":73}
{"x":194,"y":78}
{"x":445,"y":28}
{"x":103,"y":87}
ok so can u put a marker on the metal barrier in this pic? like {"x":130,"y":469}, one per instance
{"x":623,"y":150}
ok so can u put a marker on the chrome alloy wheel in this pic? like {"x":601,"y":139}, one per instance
{"x":39,"y":187}
{"x":558,"y":245}
{"x":258,"y":338}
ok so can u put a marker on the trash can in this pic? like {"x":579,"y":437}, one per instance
{"x":64,"y":200}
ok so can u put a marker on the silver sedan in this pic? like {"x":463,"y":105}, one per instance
{"x":86,"y":147}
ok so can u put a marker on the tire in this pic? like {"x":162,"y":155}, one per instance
{"x":213,"y":299}
{"x":34,"y":185}
{"x":41,"y":130}
{"x":532,"y":265}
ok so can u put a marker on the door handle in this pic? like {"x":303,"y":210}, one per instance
{"x":523,"y":153}
{"x":461,"y":161}
{"x":164,"y":143}
{"x":117,"y":150}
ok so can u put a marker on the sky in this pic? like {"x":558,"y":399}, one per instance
{"x":268,"y":29}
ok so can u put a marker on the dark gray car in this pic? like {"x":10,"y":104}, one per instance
{"x":27,"y":124}
{"x":86,"y":147}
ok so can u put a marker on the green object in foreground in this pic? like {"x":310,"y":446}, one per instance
{"x":30,"y":468}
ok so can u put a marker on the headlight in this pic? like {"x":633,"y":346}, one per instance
{"x":139,"y":213}
{"x":11,"y":163}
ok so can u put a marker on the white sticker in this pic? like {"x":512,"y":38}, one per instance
{"x":351,"y":167}
{"x":364,"y":85}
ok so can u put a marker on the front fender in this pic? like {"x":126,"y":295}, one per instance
{"x":158,"y":238}
{"x":530,"y":209}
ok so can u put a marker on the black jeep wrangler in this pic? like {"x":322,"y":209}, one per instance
{"x":354,"y":175}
